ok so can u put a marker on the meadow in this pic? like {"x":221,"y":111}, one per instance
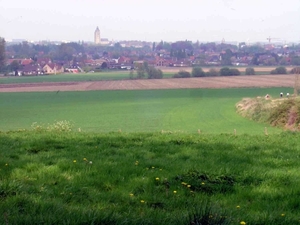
{"x":180,"y":110}
{"x":168,"y":72}
{"x":136,"y":157}
{"x":149,"y":178}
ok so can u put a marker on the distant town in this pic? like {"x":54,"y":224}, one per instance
{"x":23,"y":57}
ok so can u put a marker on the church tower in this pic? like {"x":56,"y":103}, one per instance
{"x":97,"y":39}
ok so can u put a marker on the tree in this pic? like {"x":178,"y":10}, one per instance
{"x":15,"y":66}
{"x":212,"y":73}
{"x":226,"y":58}
{"x":225,"y":71}
{"x":104,"y":65}
{"x":279,"y":70}
{"x":154,"y":73}
{"x":198,"y":72}
{"x":250,"y":71}
{"x":182,"y":74}
{"x":2,"y":54}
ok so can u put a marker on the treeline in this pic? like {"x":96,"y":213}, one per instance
{"x":226,"y":71}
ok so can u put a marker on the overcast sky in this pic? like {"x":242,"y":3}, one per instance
{"x":151,"y":20}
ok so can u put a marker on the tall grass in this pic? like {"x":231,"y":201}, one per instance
{"x":49,"y":177}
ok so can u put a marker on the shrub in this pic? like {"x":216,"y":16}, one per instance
{"x":198,"y":72}
{"x":279,"y":70}
{"x":225,"y":71}
{"x":295,"y":70}
{"x":212,"y":73}
{"x":154,"y":73}
{"x":182,"y":74}
{"x":250,"y":71}
{"x":235,"y":72}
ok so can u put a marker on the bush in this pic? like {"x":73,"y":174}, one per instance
{"x":212,"y":73}
{"x":295,"y":70}
{"x":154,"y":73}
{"x":182,"y":74}
{"x":279,"y":70}
{"x":225,"y":71}
{"x":250,"y":71}
{"x":235,"y":72}
{"x":198,"y":72}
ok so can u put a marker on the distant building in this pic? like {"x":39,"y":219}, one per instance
{"x":97,"y":39}
{"x":51,"y":68}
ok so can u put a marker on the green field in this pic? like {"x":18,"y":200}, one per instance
{"x":142,"y":175}
{"x":67,"y":77}
{"x":184,"y":110}
{"x":70,"y":77}
{"x":149,"y":178}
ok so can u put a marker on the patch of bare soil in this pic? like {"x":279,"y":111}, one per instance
{"x":173,"y":83}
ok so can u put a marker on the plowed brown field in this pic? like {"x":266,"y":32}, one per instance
{"x":179,"y":83}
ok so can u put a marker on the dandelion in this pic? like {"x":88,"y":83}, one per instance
{"x":74,"y":161}
{"x":243,"y":223}
{"x":6,"y":164}
{"x":84,"y":159}
{"x":237,"y":206}
{"x":142,"y":201}
{"x":188,"y":185}
{"x":152,"y":167}
{"x":202,"y":183}
{"x":282,"y":214}
{"x":156,"y":178}
{"x":131,"y":194}
{"x":174,"y":192}
{"x":183,"y":183}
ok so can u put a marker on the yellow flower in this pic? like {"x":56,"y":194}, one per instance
{"x":174,"y":192}
{"x":202,"y":183}
{"x":188,"y":186}
{"x":6,"y":164}
{"x":84,"y":159}
{"x":243,"y":223}
{"x":156,"y":178}
{"x":142,"y":201}
{"x":153,"y":167}
{"x":282,"y":214}
{"x":74,"y":161}
{"x":131,"y":194}
{"x":237,"y":206}
{"x":183,"y":183}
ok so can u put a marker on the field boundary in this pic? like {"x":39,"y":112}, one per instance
{"x":152,"y":84}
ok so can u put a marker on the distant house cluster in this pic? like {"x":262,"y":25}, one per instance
{"x":29,"y":67}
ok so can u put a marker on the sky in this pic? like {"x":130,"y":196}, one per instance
{"x":151,"y":20}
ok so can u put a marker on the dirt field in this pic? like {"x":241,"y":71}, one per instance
{"x":179,"y":83}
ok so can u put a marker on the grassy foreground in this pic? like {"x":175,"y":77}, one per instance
{"x":148,"y":178}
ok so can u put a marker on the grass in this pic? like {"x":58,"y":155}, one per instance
{"x":67,"y":77}
{"x":148,"y":178}
{"x":111,"y":75}
{"x":184,"y":110}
